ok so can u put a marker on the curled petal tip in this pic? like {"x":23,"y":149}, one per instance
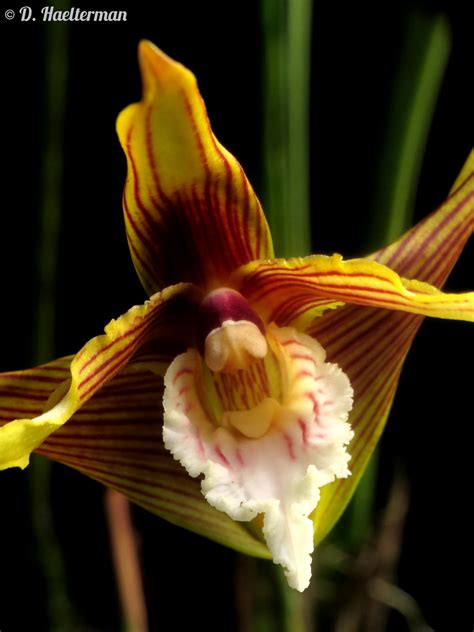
{"x":156,"y":65}
{"x":145,"y":46}
{"x":151,"y":54}
{"x":184,"y":192}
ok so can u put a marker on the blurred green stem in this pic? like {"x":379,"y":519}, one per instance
{"x":424,"y":55}
{"x":55,"y":80}
{"x":286,"y":81}
{"x":286,"y":29}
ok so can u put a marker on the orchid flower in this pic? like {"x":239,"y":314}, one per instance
{"x":244,"y":398}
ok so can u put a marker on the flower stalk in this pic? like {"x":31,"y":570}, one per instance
{"x":124,"y":548}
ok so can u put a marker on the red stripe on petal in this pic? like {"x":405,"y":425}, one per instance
{"x":128,"y":454}
{"x":190,"y":212}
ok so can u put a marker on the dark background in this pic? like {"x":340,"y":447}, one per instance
{"x":355,"y":52}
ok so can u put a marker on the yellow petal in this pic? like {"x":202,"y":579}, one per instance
{"x":430,"y":249}
{"x":116,"y":439}
{"x":287,"y":291}
{"x":185,"y":193}
{"x":466,"y":171}
{"x":95,"y":364}
{"x":299,"y":290}
{"x":371,"y":345}
{"x":26,"y":394}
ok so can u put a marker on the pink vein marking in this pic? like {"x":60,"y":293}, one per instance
{"x":290,"y":446}
{"x":239,"y":457}
{"x":222,"y":457}
{"x":304,"y":373}
{"x":312,"y":397}
{"x":200,"y":445}
{"x":304,"y":431}
{"x":180,"y":373}
{"x":302,"y":356}
{"x":286,"y":343}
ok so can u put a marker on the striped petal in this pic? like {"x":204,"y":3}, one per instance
{"x":431,"y":248}
{"x":116,"y":439}
{"x":161,"y":318}
{"x":296,"y":291}
{"x":190,"y":212}
{"x":293,"y":291}
{"x":370,"y":345}
{"x":26,"y":393}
